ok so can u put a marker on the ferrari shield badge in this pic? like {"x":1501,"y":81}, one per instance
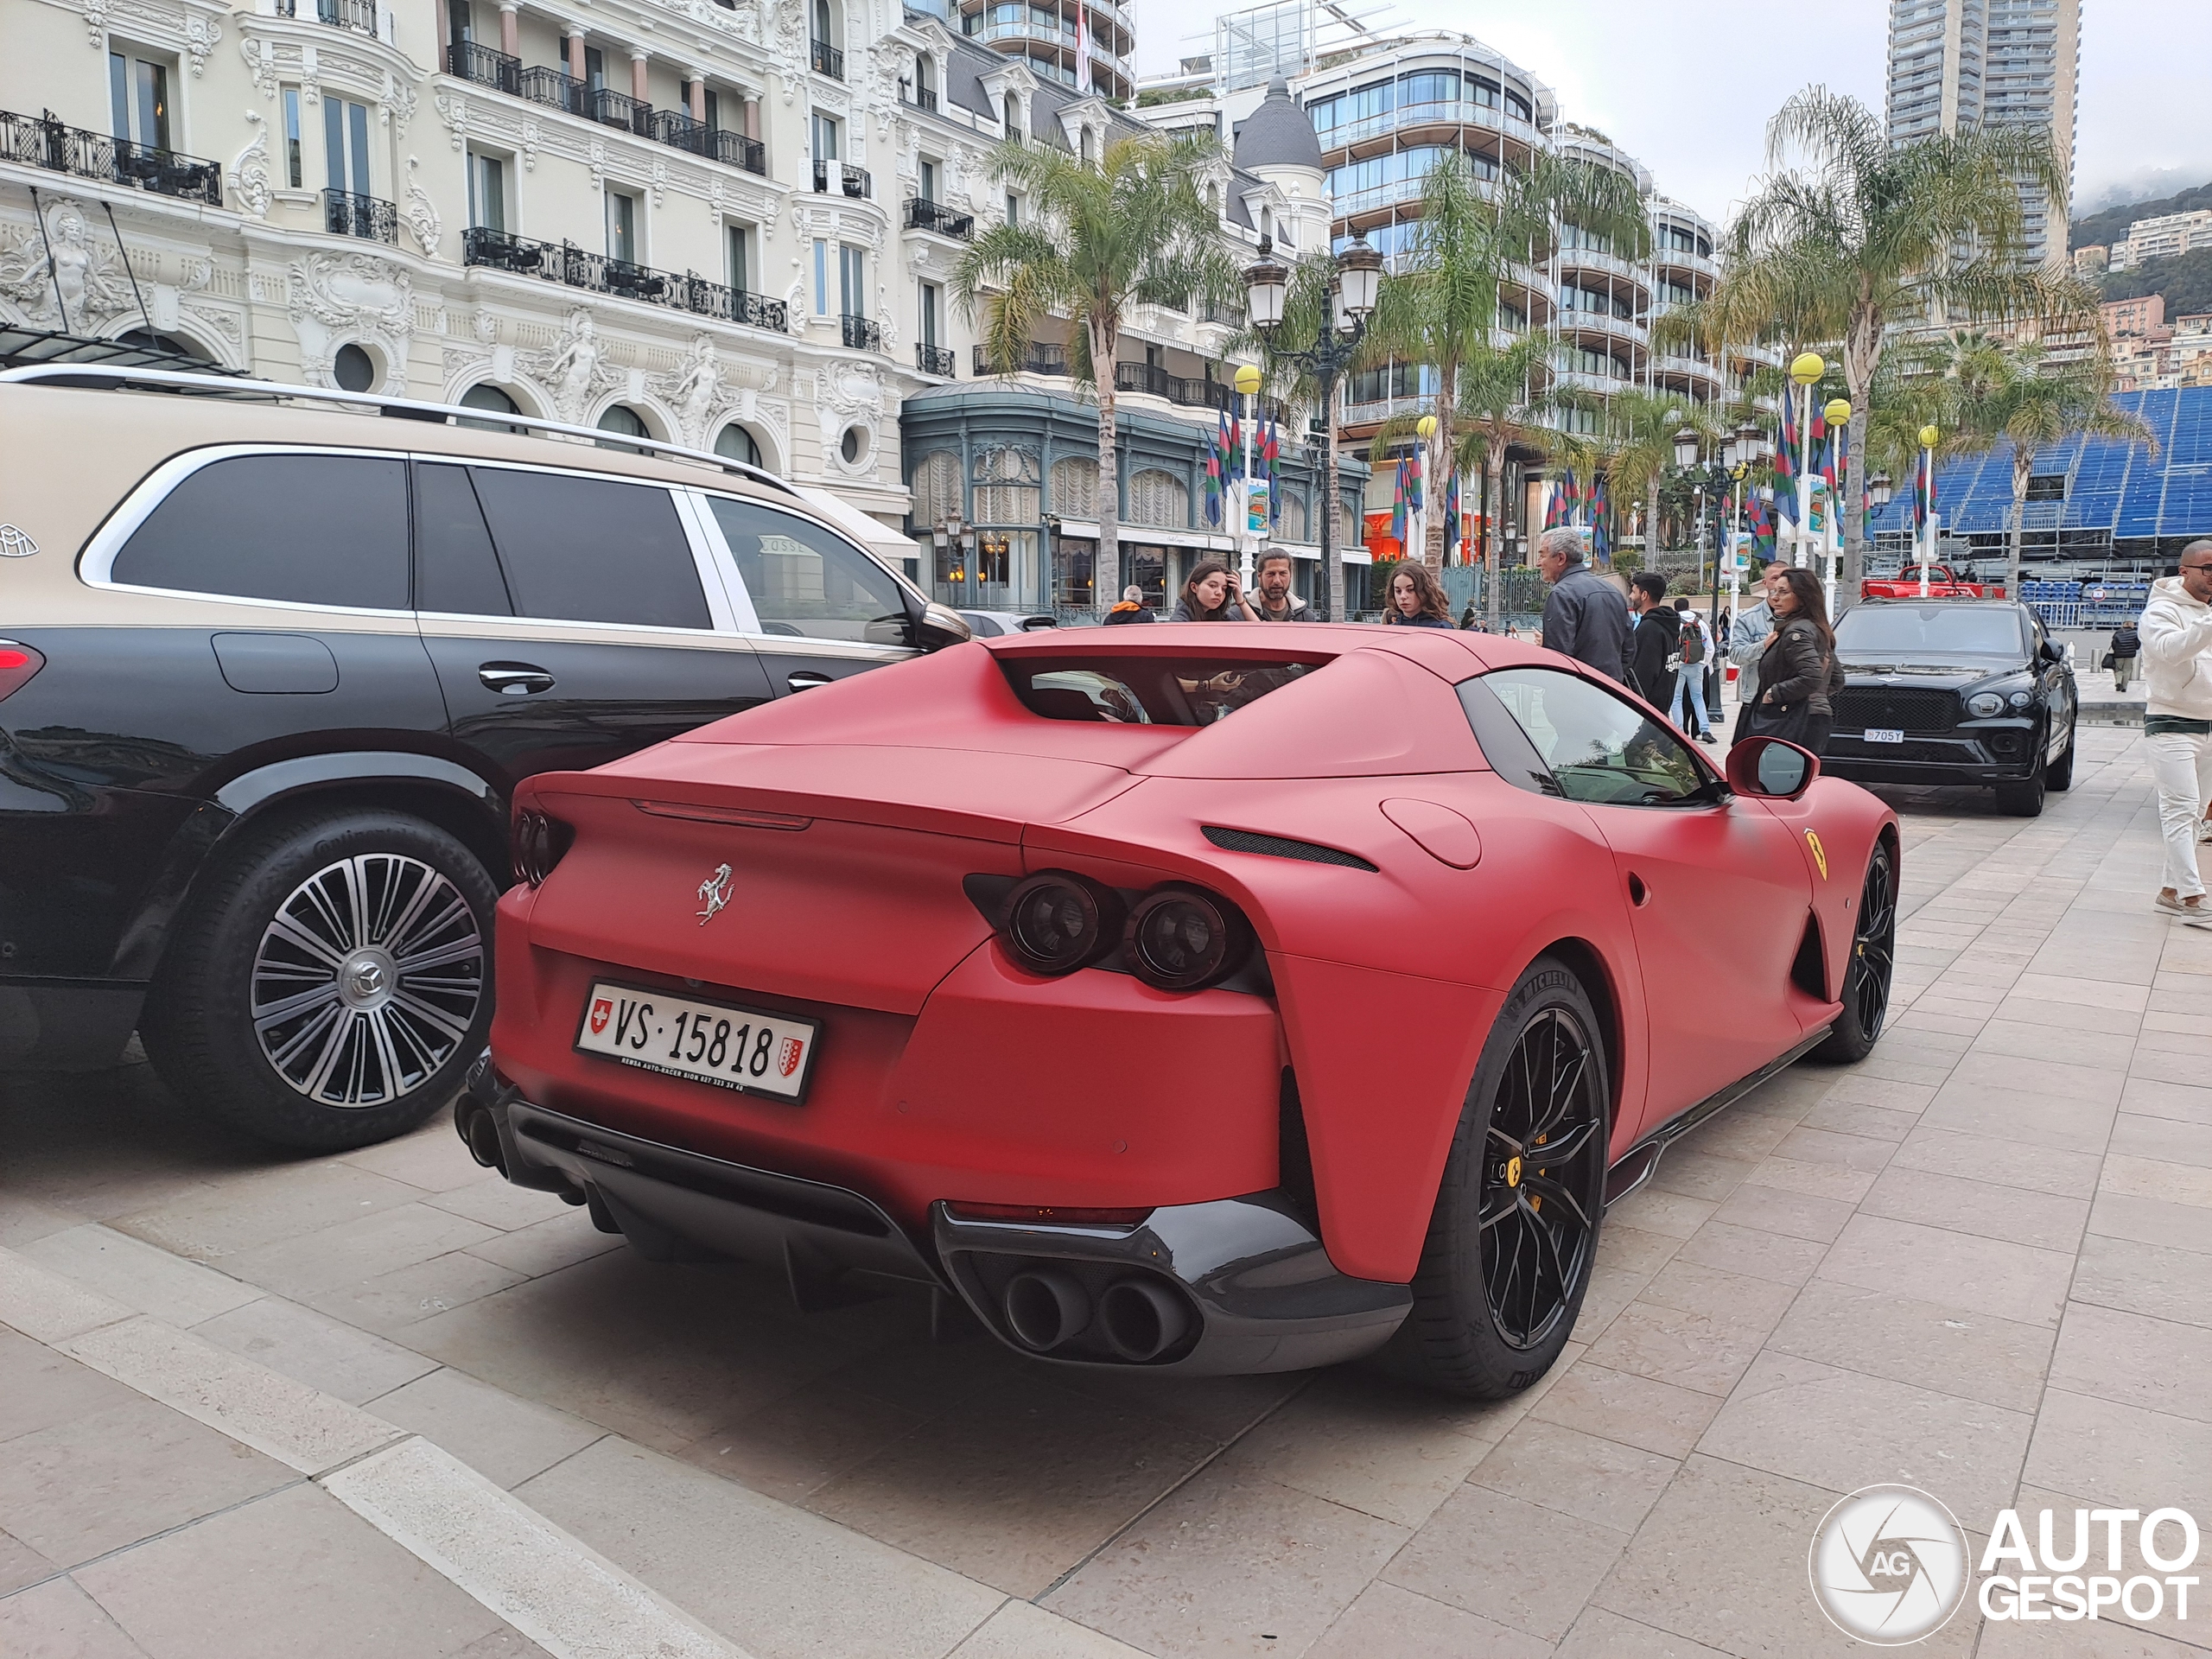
{"x":713,"y":893}
{"x":1820,"y":853}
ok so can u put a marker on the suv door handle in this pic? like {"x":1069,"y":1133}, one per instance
{"x":806,"y":680}
{"x":515,"y":679}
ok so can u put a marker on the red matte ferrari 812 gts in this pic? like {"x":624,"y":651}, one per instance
{"x":1210,"y":999}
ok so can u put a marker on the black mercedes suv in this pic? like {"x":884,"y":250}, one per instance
{"x":269,"y":670}
{"x":1954,"y":692}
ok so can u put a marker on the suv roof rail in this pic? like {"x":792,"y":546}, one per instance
{"x":114,"y":379}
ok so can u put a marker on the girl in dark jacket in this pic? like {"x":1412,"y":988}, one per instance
{"x":1799,"y":668}
{"x":1417,"y":599}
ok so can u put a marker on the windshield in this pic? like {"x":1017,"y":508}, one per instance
{"x":1146,"y":690}
{"x":1929,"y":630}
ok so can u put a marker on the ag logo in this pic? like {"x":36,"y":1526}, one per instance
{"x":1820,"y":853}
{"x":1888,"y":1565}
{"x":713,"y":893}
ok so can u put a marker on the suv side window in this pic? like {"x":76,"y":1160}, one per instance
{"x":1600,"y":747}
{"x":455,"y":568}
{"x":804,"y":581}
{"x":306,"y":529}
{"x":592,"y":549}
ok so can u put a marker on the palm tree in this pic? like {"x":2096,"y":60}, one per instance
{"x":2011,"y":394}
{"x":1636,"y":433}
{"x":1440,"y":308}
{"x":1867,"y":235}
{"x":1504,"y":402}
{"x":1098,"y":238}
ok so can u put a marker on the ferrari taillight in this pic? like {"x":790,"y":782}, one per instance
{"x":17,"y":664}
{"x":538,"y":841}
{"x":1180,"y":938}
{"x":1056,"y":922}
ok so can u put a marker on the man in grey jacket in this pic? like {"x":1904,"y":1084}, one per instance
{"x":1585,"y":617}
{"x":1747,"y":639}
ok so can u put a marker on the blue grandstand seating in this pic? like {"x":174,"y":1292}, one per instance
{"x":2121,"y":489}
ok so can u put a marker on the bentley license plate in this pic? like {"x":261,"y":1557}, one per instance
{"x":1883,"y":734}
{"x":758,"y":1053}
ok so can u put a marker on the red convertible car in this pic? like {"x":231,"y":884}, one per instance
{"x":1215,"y":1000}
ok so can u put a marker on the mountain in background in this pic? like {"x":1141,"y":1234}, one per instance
{"x":2109,"y":224}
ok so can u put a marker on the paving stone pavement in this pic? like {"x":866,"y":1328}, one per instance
{"x":1978,"y":1262}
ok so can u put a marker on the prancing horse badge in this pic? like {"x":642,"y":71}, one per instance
{"x":715,"y":892}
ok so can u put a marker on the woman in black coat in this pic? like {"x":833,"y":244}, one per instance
{"x":1799,"y":674}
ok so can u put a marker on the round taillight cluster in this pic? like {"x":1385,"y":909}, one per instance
{"x":538,"y":843}
{"x":1180,"y":938}
{"x":1175,"y":938}
{"x":1056,"y":922}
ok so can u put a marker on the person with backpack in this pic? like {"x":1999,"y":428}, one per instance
{"x":1689,"y":684}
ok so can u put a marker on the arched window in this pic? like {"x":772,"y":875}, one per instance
{"x":1075,"y":487}
{"x":1290,"y":524}
{"x":822,"y":22}
{"x":1160,"y":498}
{"x":925,"y":80}
{"x":1089,"y":148}
{"x":937,"y":488}
{"x":1007,"y":487}
{"x":171,"y":343}
{"x":494,"y":401}
{"x":736,"y":443}
{"x":1011,"y":114}
{"x":626,"y":420}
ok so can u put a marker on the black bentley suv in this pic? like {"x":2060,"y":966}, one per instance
{"x":268,"y":673}
{"x":1954,"y":692}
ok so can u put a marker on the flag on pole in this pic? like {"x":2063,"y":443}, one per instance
{"x":1452,"y":518}
{"x":1398,"y":504}
{"x":1785,"y":460}
{"x":1923,"y":492}
{"x":1270,"y":453}
{"x":1413,"y":487}
{"x":1762,"y":527}
{"x":1213,"y":476}
{"x":1601,"y":541}
{"x":1082,"y":80}
{"x":1555,"y":509}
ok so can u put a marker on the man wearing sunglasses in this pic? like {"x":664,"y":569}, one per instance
{"x":2177,"y":633}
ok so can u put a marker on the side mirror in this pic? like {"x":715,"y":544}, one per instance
{"x":2052,"y":652}
{"x":1772,"y":768}
{"x":938,"y":626}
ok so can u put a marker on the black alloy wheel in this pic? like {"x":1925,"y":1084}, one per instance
{"x":1873,"y":962}
{"x":1543,"y":1131}
{"x":1514,"y":1236}
{"x":2059,"y":775}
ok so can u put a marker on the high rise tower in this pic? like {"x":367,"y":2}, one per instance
{"x":1957,"y":63}
{"x":1085,"y":44}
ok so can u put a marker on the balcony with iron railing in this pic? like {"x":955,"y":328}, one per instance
{"x":564,"y":263}
{"x":828,"y":61}
{"x":1040,"y":358}
{"x":1157,"y":382}
{"x":612,"y":109}
{"x":358,"y":15}
{"x":935,"y":359}
{"x":839,"y":175}
{"x":1462,"y":113}
{"x":344,"y":213}
{"x":939,"y":220}
{"x":44,"y":141}
{"x":922,"y":97}
{"x":485,"y":67}
{"x":1611,"y":264}
{"x":552,"y":88}
{"x":862,"y":334}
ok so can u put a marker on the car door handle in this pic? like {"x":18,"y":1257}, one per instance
{"x":515,"y":679}
{"x":806,"y":680}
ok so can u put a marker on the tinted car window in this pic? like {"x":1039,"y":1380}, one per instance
{"x":454,"y":567}
{"x":1941,"y":630}
{"x":1600,"y":747}
{"x":318,"y":530}
{"x":591,"y":550}
{"x":804,"y":581}
{"x":1146,"y":690}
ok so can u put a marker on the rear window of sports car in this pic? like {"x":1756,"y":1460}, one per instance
{"x":1147,"y":690}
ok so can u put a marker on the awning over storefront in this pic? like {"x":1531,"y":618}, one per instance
{"x":872,"y":533}
{"x":1151,"y":536}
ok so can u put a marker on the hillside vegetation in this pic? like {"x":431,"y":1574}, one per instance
{"x":2105,"y":228}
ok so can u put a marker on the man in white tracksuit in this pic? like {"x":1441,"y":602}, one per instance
{"x":2177,"y":721}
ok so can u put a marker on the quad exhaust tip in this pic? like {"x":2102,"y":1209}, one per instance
{"x":1142,"y":1320}
{"x":481,"y":1133}
{"x":1045,"y":1307}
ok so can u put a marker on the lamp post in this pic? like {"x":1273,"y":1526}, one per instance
{"x":1837,"y":412}
{"x":1358,"y":282}
{"x":1247,"y":386}
{"x":1804,"y":370}
{"x":1924,"y":500}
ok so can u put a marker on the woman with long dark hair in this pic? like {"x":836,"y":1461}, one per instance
{"x":1798,"y":673}
{"x":1209,"y":594}
{"x":1417,"y":598}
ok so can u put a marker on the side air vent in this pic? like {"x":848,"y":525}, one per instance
{"x":1244,"y":840}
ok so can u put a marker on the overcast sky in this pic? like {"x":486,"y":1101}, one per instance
{"x":1687,"y":87}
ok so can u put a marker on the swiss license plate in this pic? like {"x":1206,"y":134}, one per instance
{"x":1883,"y":734}
{"x":758,"y":1053}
